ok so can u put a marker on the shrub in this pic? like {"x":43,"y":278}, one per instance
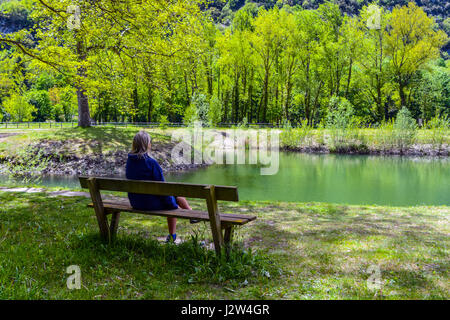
{"x":190,"y":115}
{"x":296,"y":137}
{"x":343,"y":126}
{"x":27,"y":164}
{"x":438,"y":127}
{"x":197,"y":111}
{"x":163,"y":122}
{"x":214,"y":112}
{"x":405,"y":130}
{"x":18,"y":108}
{"x":41,"y":100}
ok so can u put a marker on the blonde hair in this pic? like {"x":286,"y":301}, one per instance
{"x":141,"y":142}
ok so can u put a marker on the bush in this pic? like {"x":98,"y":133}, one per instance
{"x":41,"y":100}
{"x":27,"y":164}
{"x":343,"y":126}
{"x":163,"y":122}
{"x":215,"y":112}
{"x":18,"y":108}
{"x":190,"y":115}
{"x":405,"y":130}
{"x":197,"y":111}
{"x":438,"y":127}
{"x":296,"y":138}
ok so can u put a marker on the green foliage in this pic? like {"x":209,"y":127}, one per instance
{"x":27,"y":164}
{"x":411,"y":43}
{"x":275,"y":61}
{"x":69,"y":103}
{"x":40,"y":99}
{"x":201,"y":105}
{"x":439,"y":127}
{"x":405,"y":129}
{"x":215,"y":111}
{"x":295,"y":138}
{"x":343,"y":127}
{"x":340,"y":114}
{"x":190,"y":115}
{"x":18,"y":108}
{"x":44,"y":81}
{"x":163,"y":122}
{"x":433,"y":91}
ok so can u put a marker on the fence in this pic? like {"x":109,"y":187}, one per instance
{"x":62,"y":125}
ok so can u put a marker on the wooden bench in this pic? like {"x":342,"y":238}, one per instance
{"x":210,"y":193}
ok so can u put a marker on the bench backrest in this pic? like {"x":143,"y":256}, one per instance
{"x":188,"y":190}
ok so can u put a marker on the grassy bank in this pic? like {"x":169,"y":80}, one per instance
{"x":77,"y":141}
{"x":301,"y":251}
{"x":72,"y":151}
{"x":383,"y":140}
{"x":101,"y":140}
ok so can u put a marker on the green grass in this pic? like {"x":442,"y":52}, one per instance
{"x":381,"y":139}
{"x":299,"y":251}
{"x":102,"y":140}
{"x":77,"y":141}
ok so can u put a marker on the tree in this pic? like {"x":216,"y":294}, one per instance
{"x":374,"y":60}
{"x":18,"y":108}
{"x":40,"y":99}
{"x":266,"y":41}
{"x":82,"y":30}
{"x":215,"y":111}
{"x":309,"y":81}
{"x":432,"y":94}
{"x":411,"y":43}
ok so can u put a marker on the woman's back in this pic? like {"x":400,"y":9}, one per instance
{"x":143,"y":167}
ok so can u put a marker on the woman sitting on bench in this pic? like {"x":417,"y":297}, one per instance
{"x":140,"y":166}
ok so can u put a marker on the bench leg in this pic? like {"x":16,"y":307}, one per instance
{"x":115,"y":217}
{"x":99,"y":209}
{"x":214,"y":218}
{"x":228,"y":236}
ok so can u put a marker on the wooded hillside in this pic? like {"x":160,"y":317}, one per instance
{"x":262,"y":63}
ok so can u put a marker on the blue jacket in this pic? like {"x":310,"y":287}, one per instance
{"x":147,"y":168}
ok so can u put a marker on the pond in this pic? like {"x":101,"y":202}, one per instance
{"x":346,"y":179}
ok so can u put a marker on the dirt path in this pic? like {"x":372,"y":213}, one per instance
{"x":6,"y":135}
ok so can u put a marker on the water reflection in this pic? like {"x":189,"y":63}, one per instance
{"x":326,"y":178}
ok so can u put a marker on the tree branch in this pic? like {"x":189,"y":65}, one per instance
{"x":21,"y":47}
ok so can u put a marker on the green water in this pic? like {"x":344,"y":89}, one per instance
{"x":327,"y":178}
{"x":336,"y":179}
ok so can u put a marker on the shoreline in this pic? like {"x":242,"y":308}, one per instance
{"x":103,"y":152}
{"x":416,"y":150}
{"x":113,"y":163}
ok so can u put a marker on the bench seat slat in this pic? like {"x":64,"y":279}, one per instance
{"x":125,"y":202}
{"x":123,"y":206}
{"x":188,"y":190}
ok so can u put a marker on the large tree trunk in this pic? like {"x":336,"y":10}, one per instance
{"x":84,"y":116}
